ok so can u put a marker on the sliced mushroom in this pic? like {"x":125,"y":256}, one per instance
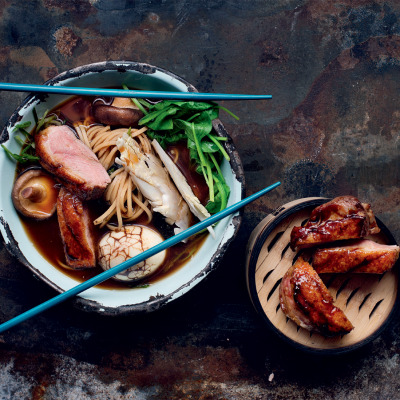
{"x":121,"y":112}
{"x":34,"y":194}
{"x":116,"y":247}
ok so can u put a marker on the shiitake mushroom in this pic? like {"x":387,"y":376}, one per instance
{"x":121,"y":112}
{"x":34,"y":194}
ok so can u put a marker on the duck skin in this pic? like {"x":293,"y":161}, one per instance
{"x":342,"y":218}
{"x":306,"y":300}
{"x":361,"y":256}
{"x":75,"y":229}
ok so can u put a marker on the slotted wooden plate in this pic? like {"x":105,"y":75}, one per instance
{"x":367,"y":300}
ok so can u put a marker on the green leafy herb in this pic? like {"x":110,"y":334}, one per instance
{"x":139,"y":103}
{"x":142,"y":286}
{"x":171,"y":121}
{"x":45,"y":121}
{"x":24,"y":157}
{"x":23,"y":125}
{"x":221,"y":197}
{"x":26,"y":141}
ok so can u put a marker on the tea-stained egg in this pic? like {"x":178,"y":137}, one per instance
{"x":118,"y":246}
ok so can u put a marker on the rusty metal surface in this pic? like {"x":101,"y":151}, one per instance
{"x":332,"y":128}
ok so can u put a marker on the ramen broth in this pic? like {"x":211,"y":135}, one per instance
{"x":45,"y":235}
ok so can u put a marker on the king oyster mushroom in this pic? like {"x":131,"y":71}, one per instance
{"x":183,"y":187}
{"x":34,"y":194}
{"x":116,"y":247}
{"x":154,"y":182}
{"x":121,"y":112}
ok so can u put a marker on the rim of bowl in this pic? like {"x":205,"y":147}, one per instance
{"x":156,"y":302}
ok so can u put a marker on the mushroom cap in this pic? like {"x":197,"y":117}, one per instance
{"x":116,"y":247}
{"x":121,"y":112}
{"x":34,"y":194}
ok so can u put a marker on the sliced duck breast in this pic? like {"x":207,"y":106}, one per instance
{"x":71,"y":161}
{"x":361,"y":256}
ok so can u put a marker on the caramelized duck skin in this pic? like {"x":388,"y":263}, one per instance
{"x":305,"y":299}
{"x":361,"y":256}
{"x":75,"y":229}
{"x":342,"y":218}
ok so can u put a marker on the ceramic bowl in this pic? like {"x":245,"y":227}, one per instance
{"x":121,"y":301}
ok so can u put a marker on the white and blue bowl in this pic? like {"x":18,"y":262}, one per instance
{"x":129,"y":300}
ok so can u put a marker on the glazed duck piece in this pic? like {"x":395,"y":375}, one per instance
{"x":305,"y":299}
{"x":342,"y":218}
{"x":361,"y":256}
{"x":75,"y":229}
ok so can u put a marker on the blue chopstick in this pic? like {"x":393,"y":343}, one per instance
{"x":135,"y":260}
{"x":143,"y":94}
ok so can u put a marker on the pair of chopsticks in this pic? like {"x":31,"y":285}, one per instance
{"x":134,"y":260}
{"x":142,"y":94}
{"x":195,"y":96}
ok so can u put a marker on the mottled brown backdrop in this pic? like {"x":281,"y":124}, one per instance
{"x":331,"y":128}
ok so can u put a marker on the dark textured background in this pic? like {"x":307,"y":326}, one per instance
{"x":332,"y":128}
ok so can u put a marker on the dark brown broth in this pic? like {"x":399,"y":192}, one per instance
{"x":45,"y":235}
{"x":180,"y":154}
{"x":78,"y":109}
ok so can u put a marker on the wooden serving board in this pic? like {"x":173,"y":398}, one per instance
{"x":367,"y":300}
